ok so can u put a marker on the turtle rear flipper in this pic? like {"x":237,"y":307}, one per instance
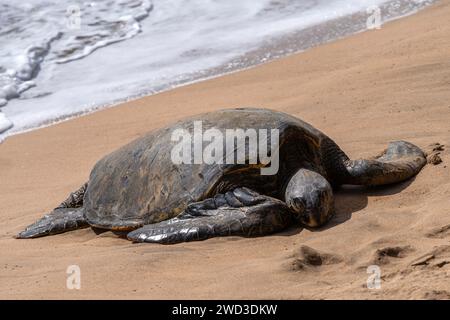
{"x":58,"y":221}
{"x":400,"y":161}
{"x":240,"y":212}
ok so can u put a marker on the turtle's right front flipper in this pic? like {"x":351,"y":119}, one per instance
{"x":66,"y":217}
{"x":240,"y":212}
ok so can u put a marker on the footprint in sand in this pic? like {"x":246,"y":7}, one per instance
{"x":386,"y":255}
{"x":307,"y":258}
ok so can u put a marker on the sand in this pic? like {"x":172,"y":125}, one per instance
{"x":363,"y":91}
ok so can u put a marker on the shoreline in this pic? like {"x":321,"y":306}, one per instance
{"x":284,"y":46}
{"x":363,"y":91}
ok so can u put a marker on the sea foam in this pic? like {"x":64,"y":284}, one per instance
{"x":59,"y":60}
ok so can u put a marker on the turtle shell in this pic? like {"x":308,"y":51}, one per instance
{"x":140,"y":184}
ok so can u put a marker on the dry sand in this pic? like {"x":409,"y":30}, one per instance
{"x":362,"y":91}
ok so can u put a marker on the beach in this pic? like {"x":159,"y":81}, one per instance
{"x":363,"y":91}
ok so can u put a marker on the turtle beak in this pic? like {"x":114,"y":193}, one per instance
{"x":318,"y":209}
{"x":308,"y":210}
{"x":312,"y":218}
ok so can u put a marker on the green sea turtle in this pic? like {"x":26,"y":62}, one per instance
{"x":140,"y":190}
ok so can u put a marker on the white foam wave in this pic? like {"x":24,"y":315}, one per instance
{"x":60,"y":59}
{"x":104,"y":23}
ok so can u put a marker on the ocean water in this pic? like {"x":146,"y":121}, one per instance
{"x":60,"y":59}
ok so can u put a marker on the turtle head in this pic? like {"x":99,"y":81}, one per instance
{"x":310,"y":196}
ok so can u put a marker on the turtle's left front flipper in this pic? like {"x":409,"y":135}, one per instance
{"x":240,"y":212}
{"x":58,"y":221}
{"x":66,"y":217}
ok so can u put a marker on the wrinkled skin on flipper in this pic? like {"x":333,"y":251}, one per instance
{"x":75,"y":199}
{"x":58,"y":221}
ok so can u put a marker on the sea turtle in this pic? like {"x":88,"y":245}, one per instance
{"x":140,"y":190}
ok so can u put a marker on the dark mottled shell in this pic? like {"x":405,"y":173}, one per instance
{"x":139,"y":184}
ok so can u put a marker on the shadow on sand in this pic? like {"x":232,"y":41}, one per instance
{"x":350,"y":199}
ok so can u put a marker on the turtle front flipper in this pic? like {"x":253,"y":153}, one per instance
{"x":66,"y":217}
{"x":58,"y":221}
{"x":241,"y":212}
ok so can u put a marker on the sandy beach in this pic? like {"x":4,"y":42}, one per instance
{"x":362,"y":91}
